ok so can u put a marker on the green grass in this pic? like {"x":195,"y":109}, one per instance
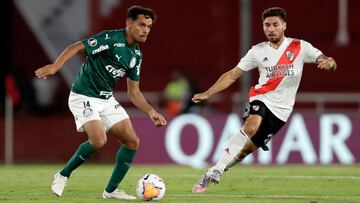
{"x":288,"y":183}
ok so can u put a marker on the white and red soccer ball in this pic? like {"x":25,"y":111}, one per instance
{"x":150,"y":187}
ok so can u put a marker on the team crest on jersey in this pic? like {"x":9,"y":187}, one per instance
{"x":92,"y":42}
{"x":87,"y":112}
{"x":132,"y":62}
{"x":290,"y":55}
{"x":256,"y":107}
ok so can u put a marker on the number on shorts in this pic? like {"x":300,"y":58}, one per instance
{"x":86,"y":104}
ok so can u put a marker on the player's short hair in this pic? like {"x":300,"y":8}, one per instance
{"x":274,"y":11}
{"x":134,"y":11}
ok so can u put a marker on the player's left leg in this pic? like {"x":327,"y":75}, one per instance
{"x":125,"y":134}
{"x":238,"y":147}
{"x":259,"y":128}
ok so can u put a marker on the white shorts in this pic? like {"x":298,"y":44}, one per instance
{"x":85,"y":109}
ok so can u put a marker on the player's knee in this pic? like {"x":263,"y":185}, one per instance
{"x":250,"y":130}
{"x":133,"y":143}
{"x":98,"y":143}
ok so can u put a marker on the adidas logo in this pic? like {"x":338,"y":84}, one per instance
{"x":265,"y":59}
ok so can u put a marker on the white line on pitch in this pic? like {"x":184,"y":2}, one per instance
{"x":266,"y":196}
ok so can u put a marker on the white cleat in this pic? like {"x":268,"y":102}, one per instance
{"x":58,"y":184}
{"x":214,"y":176}
{"x":211,"y":176}
{"x":117,"y":194}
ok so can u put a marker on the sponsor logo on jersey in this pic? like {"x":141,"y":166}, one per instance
{"x":92,"y":42}
{"x":280,"y":70}
{"x":116,"y":73}
{"x":265,"y":59}
{"x":132,"y":62}
{"x":100,"y":49}
{"x":118,"y":57}
{"x":119,"y":45}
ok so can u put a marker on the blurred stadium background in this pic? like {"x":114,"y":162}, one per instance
{"x":203,"y":39}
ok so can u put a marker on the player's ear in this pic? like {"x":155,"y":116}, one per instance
{"x":284,"y":25}
{"x":129,"y":22}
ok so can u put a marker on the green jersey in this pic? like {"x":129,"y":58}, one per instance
{"x":109,"y":58}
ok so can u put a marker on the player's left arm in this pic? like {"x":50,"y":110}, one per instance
{"x":138,"y":99}
{"x":326,"y":63}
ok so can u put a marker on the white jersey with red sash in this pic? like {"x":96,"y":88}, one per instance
{"x":280,"y":73}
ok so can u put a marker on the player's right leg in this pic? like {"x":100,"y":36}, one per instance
{"x":97,"y":139}
{"x":87,"y":119}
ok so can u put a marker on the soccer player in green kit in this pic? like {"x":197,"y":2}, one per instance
{"x":111,"y":55}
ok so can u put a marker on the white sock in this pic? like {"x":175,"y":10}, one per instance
{"x":235,"y":144}
{"x":236,"y":159}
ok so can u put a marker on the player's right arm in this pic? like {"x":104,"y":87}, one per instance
{"x":222,"y":83}
{"x":65,"y":56}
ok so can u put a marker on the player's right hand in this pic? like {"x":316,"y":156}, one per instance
{"x":46,"y":71}
{"x":157,"y":118}
{"x":197,"y":98}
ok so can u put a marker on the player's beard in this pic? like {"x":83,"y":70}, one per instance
{"x":274,"y":39}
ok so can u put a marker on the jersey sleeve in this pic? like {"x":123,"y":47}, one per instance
{"x":97,"y":43}
{"x":248,"y":62}
{"x":311,"y":53}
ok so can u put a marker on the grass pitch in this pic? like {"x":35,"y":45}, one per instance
{"x":288,"y":183}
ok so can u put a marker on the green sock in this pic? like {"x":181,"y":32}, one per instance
{"x":84,"y":152}
{"x":124,"y":157}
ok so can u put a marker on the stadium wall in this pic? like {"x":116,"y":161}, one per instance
{"x":196,"y":140}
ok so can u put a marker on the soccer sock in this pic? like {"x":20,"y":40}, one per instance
{"x":235,"y":160}
{"x":84,"y":152}
{"x":124,"y":158}
{"x":235,"y":144}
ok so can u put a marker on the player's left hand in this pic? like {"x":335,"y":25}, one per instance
{"x":326,"y":64}
{"x":157,"y":118}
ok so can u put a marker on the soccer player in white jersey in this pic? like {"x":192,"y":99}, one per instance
{"x":280,"y":63}
{"x":110,"y":56}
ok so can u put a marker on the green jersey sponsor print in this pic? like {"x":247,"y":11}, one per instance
{"x":109,"y":58}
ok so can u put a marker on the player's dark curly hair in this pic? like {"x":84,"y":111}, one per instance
{"x":134,"y":11}
{"x":274,"y":11}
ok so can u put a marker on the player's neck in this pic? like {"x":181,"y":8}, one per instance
{"x":277,"y":44}
{"x":129,"y":38}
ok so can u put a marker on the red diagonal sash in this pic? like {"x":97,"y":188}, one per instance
{"x":288,"y":57}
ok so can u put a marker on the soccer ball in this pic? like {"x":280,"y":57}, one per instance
{"x":150,"y":187}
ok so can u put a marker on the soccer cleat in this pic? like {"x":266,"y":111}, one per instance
{"x":117,"y":194}
{"x":58,"y":184}
{"x":211,"y":176}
